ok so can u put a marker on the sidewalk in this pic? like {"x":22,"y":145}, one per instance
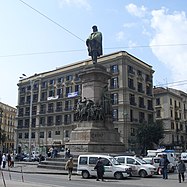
{"x":28,"y":167}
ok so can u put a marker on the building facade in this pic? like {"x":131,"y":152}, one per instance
{"x":171,"y":108}
{"x":7,"y":127}
{"x":46,"y":101}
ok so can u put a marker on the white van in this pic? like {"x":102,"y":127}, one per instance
{"x":86,"y":164}
{"x":171,"y":158}
{"x":184,"y":156}
{"x":139,"y":166}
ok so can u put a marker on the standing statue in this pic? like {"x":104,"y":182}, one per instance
{"x":94,"y":44}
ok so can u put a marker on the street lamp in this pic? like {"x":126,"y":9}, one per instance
{"x":32,"y":82}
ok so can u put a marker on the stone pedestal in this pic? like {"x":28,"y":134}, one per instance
{"x":95,"y":135}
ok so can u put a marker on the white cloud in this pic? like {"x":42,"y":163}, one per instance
{"x":170,"y":29}
{"x":120,"y":36}
{"x":77,"y":3}
{"x":135,"y":10}
{"x":129,"y":25}
{"x":131,"y":44}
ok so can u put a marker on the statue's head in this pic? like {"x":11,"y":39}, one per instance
{"x":94,"y":28}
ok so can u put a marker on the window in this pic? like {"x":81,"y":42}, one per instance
{"x":51,"y":93}
{"x":114,"y":83}
{"x":26,"y":135}
{"x":83,"y":160}
{"x":139,"y":73}
{"x":49,"y":134}
{"x":158,"y":113}
{"x":114,"y":69}
{"x":50,"y":107}
{"x":130,"y":161}
{"x":43,"y":96}
{"x":60,"y":92}
{"x":172,"y":125}
{"x":35,"y":98}
{"x":33,"y":135}
{"x":141,"y":102}
{"x":41,"y":134}
{"x":57,"y":132}
{"x":20,"y":123}
{"x":67,"y":119}
{"x":150,"y":105}
{"x":20,"y":135}
{"x":115,"y":114}
{"x":171,"y":103}
{"x":66,"y":134}
{"x":140,"y":87}
{"x":52,"y":82}
{"x":26,"y":123}
{"x":131,"y":83}
{"x":28,"y":99}
{"x":50,"y":120}
{"x":77,"y":88}
{"x":60,"y":79}
{"x":44,"y":84}
{"x":93,"y":160}
{"x":141,"y":117}
{"x":130,"y":69}
{"x":33,"y":122}
{"x":42,"y":121}
{"x":132,"y":99}
{"x":59,"y":120}
{"x":42,"y":108}
{"x":68,"y":90}
{"x":114,"y":98}
{"x":68,"y":105}
{"x":157,"y":101}
{"x":59,"y":106}
{"x":69,"y":78}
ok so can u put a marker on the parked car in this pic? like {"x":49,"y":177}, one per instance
{"x":113,"y":169}
{"x":20,"y":157}
{"x":184,"y":156}
{"x":139,"y":166}
{"x":153,"y":161}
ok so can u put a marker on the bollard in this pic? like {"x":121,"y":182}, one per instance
{"x":22,"y":174}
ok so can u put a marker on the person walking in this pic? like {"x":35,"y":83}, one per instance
{"x":181,"y":169}
{"x":99,"y":167}
{"x":4,"y":160}
{"x":163,"y":165}
{"x":69,"y":167}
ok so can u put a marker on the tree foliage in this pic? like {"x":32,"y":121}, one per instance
{"x":149,"y":134}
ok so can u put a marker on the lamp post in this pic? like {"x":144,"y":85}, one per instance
{"x":30,"y":117}
{"x":31,"y":82}
{"x":1,"y":118}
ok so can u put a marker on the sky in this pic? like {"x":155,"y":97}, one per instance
{"x":40,"y":35}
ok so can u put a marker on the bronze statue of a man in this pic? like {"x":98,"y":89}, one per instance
{"x":94,"y":44}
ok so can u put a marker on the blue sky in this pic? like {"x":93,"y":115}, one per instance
{"x":152,"y":30}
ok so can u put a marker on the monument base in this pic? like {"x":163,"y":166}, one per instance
{"x":93,"y":136}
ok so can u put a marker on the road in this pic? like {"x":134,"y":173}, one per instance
{"x":77,"y":181}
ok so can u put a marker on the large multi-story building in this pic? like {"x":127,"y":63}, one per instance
{"x":46,"y":101}
{"x":7,"y":127}
{"x":171,"y":108}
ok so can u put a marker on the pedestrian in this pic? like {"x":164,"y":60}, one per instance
{"x":69,"y":167}
{"x":181,"y":169}
{"x":4,"y":160}
{"x":9,"y":159}
{"x":12,"y":160}
{"x":163,"y":164}
{"x":99,"y":167}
